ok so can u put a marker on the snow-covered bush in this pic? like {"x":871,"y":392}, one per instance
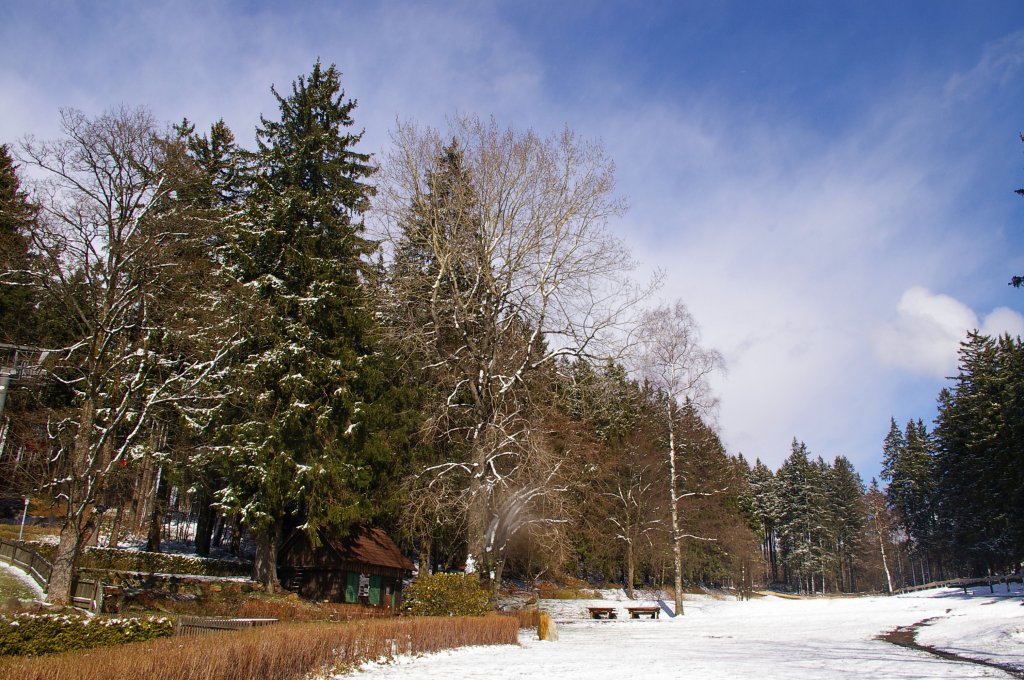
{"x":446,"y":595}
{"x":35,"y":634}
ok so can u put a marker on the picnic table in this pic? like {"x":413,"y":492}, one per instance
{"x":637,"y":612}
{"x":601,"y":612}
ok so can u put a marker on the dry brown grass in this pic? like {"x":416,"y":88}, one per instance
{"x":31,"y":533}
{"x":528,"y":618}
{"x":280,"y":652}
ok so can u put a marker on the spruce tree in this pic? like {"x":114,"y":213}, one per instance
{"x":979,"y":436}
{"x":299,"y":430}
{"x":767,"y":504}
{"x":845,"y":491}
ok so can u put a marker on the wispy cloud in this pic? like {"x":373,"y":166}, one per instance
{"x":806,"y":245}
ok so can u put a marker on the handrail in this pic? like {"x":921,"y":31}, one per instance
{"x":41,"y":570}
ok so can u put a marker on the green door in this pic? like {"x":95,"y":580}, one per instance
{"x":375,"y":590}
{"x":351,"y":586}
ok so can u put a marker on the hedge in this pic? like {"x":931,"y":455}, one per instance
{"x":36,"y":634}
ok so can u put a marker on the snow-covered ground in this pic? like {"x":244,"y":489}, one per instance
{"x":764,"y":638}
{"x":27,"y":581}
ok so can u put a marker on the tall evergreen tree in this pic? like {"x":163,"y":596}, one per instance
{"x":17,"y":214}
{"x":979,"y":435}
{"x":766,"y":504}
{"x":298,"y":430}
{"x":845,"y":492}
{"x":803,"y":522}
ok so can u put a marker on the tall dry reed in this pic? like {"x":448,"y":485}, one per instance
{"x":280,"y":652}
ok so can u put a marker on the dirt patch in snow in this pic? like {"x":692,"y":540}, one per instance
{"x":906,"y":636}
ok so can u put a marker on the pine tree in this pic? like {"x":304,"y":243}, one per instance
{"x":908,"y":462}
{"x":803,"y":522}
{"x":299,"y":430}
{"x":979,"y":435}
{"x":17,"y":215}
{"x":764,"y":490}
{"x":845,"y":491}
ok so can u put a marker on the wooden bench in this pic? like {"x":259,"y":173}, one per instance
{"x":637,"y":612}
{"x":601,"y":612}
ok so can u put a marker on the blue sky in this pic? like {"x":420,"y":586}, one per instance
{"x":828,"y":186}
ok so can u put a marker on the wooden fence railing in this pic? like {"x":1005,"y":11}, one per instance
{"x":194,"y":626}
{"x":31,"y":562}
{"x":964,"y":583}
{"x":85,"y":593}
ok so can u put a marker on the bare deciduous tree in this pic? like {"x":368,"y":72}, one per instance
{"x":117,"y":256}
{"x":502,"y":264}
{"x":673,"y":361}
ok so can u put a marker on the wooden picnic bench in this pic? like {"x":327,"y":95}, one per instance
{"x":601,"y":612}
{"x":637,"y":612}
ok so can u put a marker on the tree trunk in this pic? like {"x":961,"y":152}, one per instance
{"x":265,"y":564}
{"x":115,"y":528}
{"x":482,"y":555}
{"x":677,"y":534}
{"x":218,"y":531}
{"x":630,"y":570}
{"x":156,"y":516}
{"x":235,"y":547}
{"x":59,"y":589}
{"x":204,"y":526}
{"x":885,"y":562}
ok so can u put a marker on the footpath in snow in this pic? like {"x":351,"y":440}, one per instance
{"x":765,"y":638}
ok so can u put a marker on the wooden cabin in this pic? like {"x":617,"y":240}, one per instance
{"x":365,"y":567}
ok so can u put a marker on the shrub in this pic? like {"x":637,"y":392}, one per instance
{"x":446,"y":595}
{"x":35,"y":634}
{"x":278,"y":652}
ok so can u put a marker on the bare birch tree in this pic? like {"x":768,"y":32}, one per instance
{"x":117,"y":257}
{"x":673,"y":361}
{"x":502,"y":264}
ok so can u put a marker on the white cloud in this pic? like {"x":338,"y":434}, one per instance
{"x":928,"y":328}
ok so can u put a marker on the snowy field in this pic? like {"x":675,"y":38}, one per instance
{"x":764,"y":638}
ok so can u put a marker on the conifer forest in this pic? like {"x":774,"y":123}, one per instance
{"x":223,"y":344}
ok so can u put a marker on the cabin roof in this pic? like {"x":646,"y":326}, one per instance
{"x":364,"y":545}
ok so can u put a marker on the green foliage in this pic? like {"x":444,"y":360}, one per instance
{"x":446,"y":595}
{"x":36,"y":634}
